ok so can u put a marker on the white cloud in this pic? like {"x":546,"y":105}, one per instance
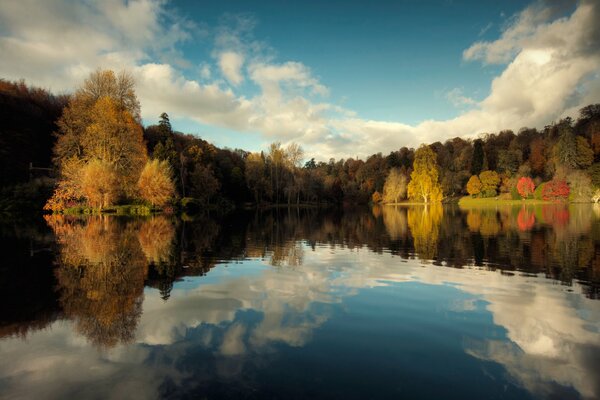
{"x":231,"y":66}
{"x":458,"y":99}
{"x":553,"y":68}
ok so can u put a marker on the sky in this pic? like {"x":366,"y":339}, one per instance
{"x":341,"y":78}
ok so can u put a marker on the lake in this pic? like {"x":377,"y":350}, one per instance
{"x":386,"y":302}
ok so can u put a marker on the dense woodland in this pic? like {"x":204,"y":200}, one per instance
{"x":98,"y":154}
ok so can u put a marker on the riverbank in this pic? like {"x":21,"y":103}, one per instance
{"x":495,"y":201}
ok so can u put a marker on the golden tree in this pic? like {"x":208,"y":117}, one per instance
{"x":394,"y":188}
{"x":156,"y":184}
{"x":100,"y":123}
{"x":99,"y":184}
{"x":424,"y":185}
{"x":474,"y":185}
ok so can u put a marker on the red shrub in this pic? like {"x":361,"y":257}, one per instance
{"x":556,"y":189}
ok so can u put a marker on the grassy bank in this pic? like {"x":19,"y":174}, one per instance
{"x":468,"y":201}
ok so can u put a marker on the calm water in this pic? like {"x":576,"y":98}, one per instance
{"x":382,"y":303}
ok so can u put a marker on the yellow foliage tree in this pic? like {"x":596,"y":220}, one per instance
{"x":99,"y":184}
{"x":394,"y":188}
{"x":156,"y":184}
{"x":424,"y":185}
{"x":474,"y":186}
{"x":100,"y":123}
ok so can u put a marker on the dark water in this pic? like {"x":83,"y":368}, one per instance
{"x":417,"y":302}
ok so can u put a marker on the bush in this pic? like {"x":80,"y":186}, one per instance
{"x":537,"y":194}
{"x":514,"y":194}
{"x":556,"y":189}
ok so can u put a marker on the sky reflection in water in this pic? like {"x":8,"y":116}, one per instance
{"x":312,"y":304}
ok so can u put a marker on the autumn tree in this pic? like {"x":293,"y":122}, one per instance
{"x":156,"y":183}
{"x":424,"y":185}
{"x":585,"y":154}
{"x":556,"y":189}
{"x":525,"y":187}
{"x":474,"y":186}
{"x":100,"y":123}
{"x":489,"y":183}
{"x":99,"y":184}
{"x":394,"y":188}
{"x":537,"y":156}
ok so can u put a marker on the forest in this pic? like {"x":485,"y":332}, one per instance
{"x":89,"y":151}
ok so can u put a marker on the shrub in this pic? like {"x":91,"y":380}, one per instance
{"x":556,"y":189}
{"x":538,"y":193}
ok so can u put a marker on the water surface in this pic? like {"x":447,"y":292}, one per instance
{"x":413,"y":302}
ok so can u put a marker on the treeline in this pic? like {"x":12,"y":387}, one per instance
{"x":102,"y":156}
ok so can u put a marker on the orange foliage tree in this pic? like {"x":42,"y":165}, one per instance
{"x":156,"y":184}
{"x":525,"y":187}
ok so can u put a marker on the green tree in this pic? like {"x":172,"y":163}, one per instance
{"x":424,"y":185}
{"x":478,"y":156}
{"x":565,"y":150}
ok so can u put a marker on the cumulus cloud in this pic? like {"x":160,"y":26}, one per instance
{"x":231,"y":66}
{"x":551,"y":51}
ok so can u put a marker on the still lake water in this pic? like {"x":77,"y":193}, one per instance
{"x":390,"y":302}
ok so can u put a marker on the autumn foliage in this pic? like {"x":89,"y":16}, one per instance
{"x":155,"y":184}
{"x":525,"y":187}
{"x":556,"y":189}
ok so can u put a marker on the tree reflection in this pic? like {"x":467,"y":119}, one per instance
{"x":101,"y":272}
{"x":424,"y":224}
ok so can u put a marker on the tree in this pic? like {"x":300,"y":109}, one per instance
{"x":255,"y":175}
{"x":585,"y":154}
{"x":525,"y":187}
{"x":156,"y":183}
{"x":115,"y":138}
{"x":565,"y":149}
{"x":204,"y":184}
{"x":489,"y":183}
{"x":100,"y":123}
{"x":474,"y":186}
{"x":99,"y":184}
{"x":580,"y":186}
{"x":478,"y":156}
{"x":424,"y":185}
{"x":537,"y":156}
{"x":394,"y":188}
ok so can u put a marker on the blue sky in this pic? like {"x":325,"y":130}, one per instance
{"x":339,"y":77}
{"x":387,"y":59}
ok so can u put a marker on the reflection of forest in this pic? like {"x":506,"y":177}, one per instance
{"x":103,"y":263}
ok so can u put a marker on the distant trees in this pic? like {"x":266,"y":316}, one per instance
{"x":424,"y":185}
{"x":99,"y":135}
